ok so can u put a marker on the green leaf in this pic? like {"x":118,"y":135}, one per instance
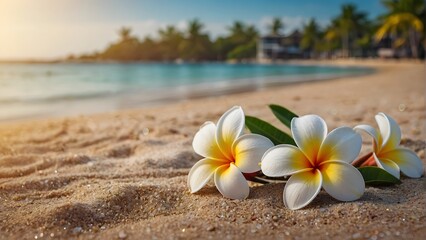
{"x":256,"y":125}
{"x":377,"y":176}
{"x":283,"y":114}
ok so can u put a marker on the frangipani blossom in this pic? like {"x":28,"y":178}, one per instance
{"x":319,"y":160}
{"x":227,"y":155}
{"x":387,"y":153}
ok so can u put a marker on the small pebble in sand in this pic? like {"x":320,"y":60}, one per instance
{"x":211,"y":228}
{"x":356,"y":235}
{"x":77,"y":230}
{"x":145,"y":131}
{"x":421,"y":153}
{"x":402,"y":107}
{"x":122,"y":235}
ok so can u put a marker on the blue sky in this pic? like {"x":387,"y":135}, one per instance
{"x":230,"y":10}
{"x":52,"y":28}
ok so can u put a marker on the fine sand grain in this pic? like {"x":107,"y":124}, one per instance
{"x":123,"y":174}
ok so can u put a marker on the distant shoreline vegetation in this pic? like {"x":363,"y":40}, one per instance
{"x":399,"y":33}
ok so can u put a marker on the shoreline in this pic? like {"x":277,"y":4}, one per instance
{"x":131,"y":99}
{"x":249,"y":61}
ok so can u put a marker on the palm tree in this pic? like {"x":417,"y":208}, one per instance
{"x":241,"y":33}
{"x":126,"y":49}
{"x":251,"y":33}
{"x":237,"y":32}
{"x":276,"y":26}
{"x":403,"y":22}
{"x":239,"y":43}
{"x":124,"y":33}
{"x":348,"y":25}
{"x":149,"y":49}
{"x":197,"y":44}
{"x":332,"y":38}
{"x":237,"y":27}
{"x":170,"y":39}
{"x":243,"y":41}
{"x":364,"y":41}
{"x":168,"y":32}
{"x":310,"y":37}
{"x":194,"y":28}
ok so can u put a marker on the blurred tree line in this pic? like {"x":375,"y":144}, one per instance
{"x":351,"y":33}
{"x":194,"y":44}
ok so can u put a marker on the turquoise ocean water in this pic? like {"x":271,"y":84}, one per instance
{"x":26,"y":89}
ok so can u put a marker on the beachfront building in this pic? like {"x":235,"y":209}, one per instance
{"x":386,"y":48}
{"x":277,"y":47}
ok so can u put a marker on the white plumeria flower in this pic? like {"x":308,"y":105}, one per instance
{"x":227,"y":155}
{"x":387,"y":152}
{"x":319,"y":160}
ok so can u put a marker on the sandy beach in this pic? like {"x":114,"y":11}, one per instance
{"x":122,"y":175}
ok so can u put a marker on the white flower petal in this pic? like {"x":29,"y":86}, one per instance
{"x":201,"y":173}
{"x":284,"y":160}
{"x":342,"y":180}
{"x":372,"y":132}
{"x":248,"y":150}
{"x":229,"y":128}
{"x":388,"y":165}
{"x":309,"y":132}
{"x":301,"y":189}
{"x":342,"y":144}
{"x":390,"y":131}
{"x":205,"y":144}
{"x":231,"y":183}
{"x":407,"y":160}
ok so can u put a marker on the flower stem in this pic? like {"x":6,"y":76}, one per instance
{"x":261,"y":178}
{"x":359,"y":162}
{"x":370,"y":162}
